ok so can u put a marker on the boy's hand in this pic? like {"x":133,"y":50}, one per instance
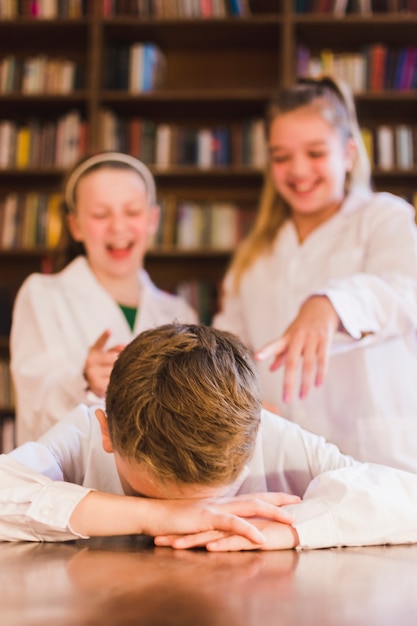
{"x":221,"y":519}
{"x":195,"y":517}
{"x":278,"y":536}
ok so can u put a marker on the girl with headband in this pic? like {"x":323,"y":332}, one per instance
{"x":69,"y":327}
{"x":324,"y":289}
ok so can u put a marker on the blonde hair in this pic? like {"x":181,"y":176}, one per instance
{"x":335,"y":101}
{"x":184,"y":403}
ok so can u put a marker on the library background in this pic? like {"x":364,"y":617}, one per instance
{"x":183,"y":85}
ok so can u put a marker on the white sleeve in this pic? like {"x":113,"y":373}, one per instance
{"x":33,"y":507}
{"x":382,"y":299}
{"x":47,"y":381}
{"x":360,"y":505}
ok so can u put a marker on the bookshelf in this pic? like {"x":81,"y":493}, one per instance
{"x":220,"y":71}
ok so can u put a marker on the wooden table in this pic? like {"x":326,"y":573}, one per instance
{"x":126,"y":581}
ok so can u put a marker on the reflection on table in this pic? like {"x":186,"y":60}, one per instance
{"x":121,"y":581}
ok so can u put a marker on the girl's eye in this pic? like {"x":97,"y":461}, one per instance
{"x":317,"y":154}
{"x":279,"y":158}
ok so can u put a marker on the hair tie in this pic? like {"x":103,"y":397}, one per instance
{"x":108,"y":158}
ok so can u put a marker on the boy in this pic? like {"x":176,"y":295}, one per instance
{"x":184,"y":421}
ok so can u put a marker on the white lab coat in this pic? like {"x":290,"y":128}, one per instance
{"x":346,"y":503}
{"x":365,"y":260}
{"x":56,"y":319}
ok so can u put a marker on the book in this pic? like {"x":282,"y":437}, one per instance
{"x":365,"y":7}
{"x":404,"y":147}
{"x":41,"y":221}
{"x":409,"y":68}
{"x":154,"y":67}
{"x":377,"y":61}
{"x":9,"y":221}
{"x":165,"y":235}
{"x":223,"y":233}
{"x":190,"y":225}
{"x":136,"y":67}
{"x":385,"y":147}
{"x":135,"y":136}
{"x":204,"y":149}
{"x":368,"y":140}
{"x":22,"y":147}
{"x":163,"y":145}
{"x":8,"y":130}
{"x":339,"y":7}
{"x":54,"y":220}
{"x":148,"y":142}
{"x":259,"y":144}
{"x":399,"y":70}
{"x":29,"y":221}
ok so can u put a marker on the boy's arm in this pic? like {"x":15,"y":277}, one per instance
{"x":35,"y":508}
{"x":32,"y":506}
{"x":101,"y":514}
{"x":361,"y":505}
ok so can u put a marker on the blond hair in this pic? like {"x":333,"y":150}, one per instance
{"x":184,"y":402}
{"x":334,"y":99}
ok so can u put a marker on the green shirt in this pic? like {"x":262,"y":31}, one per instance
{"x":130,"y":313}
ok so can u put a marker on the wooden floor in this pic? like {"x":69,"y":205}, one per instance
{"x":126,"y":581}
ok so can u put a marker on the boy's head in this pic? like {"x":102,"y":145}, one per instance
{"x":183,"y":405}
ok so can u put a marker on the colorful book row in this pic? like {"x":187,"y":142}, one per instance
{"x":38,"y":143}
{"x":373,"y":68}
{"x":191,"y":224}
{"x":176,"y":8}
{"x":136,"y":68}
{"x":30,"y":220}
{"x":39,"y":75}
{"x":239,"y":143}
{"x":43,"y":9}
{"x":363,"y":7}
{"x":392,"y":147}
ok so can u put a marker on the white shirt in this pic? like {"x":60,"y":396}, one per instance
{"x":56,"y":319}
{"x":345,"y":502}
{"x":364,"y":259}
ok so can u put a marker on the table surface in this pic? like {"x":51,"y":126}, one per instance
{"x":121,"y":581}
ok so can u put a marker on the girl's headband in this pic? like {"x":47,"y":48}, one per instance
{"x":107,"y":158}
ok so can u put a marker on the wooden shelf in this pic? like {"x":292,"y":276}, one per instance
{"x":354,"y":31}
